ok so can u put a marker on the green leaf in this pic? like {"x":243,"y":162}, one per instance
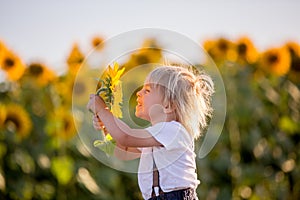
{"x":62,"y":168}
{"x":107,"y":146}
{"x":100,"y":90}
{"x":288,"y":125}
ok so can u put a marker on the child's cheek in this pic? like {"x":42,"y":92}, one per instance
{"x":155,"y":110}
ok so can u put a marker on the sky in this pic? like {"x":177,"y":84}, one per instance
{"x":43,"y":30}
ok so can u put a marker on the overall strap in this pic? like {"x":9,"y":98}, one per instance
{"x":155,"y":186}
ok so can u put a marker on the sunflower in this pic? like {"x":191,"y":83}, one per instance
{"x":149,"y":43}
{"x":208,"y":46}
{"x":61,"y":124}
{"x":97,"y":43}
{"x":39,"y":73}
{"x":276,"y":61}
{"x":117,"y":101}
{"x":3,"y":50}
{"x":109,"y":84}
{"x":294,"y":49}
{"x":149,"y":53}
{"x":221,"y":50}
{"x":151,"y":49}
{"x":12,"y":65}
{"x":75,"y":59}
{"x":17,"y":120}
{"x":110,"y":89}
{"x":143,"y":56}
{"x":114,"y":74}
{"x":135,"y":60}
{"x":84,"y":85}
{"x":246,"y":51}
{"x":63,"y":88}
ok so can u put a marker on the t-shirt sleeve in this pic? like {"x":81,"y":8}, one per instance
{"x":170,"y":135}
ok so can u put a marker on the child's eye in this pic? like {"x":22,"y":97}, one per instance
{"x":147,"y":90}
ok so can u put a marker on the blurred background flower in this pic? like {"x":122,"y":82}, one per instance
{"x":246,"y":51}
{"x":12,"y":65}
{"x":16,"y":120}
{"x":258,"y":152}
{"x":276,"y":61}
{"x":39,"y":74}
{"x":97,"y":43}
{"x":60,"y":123}
{"x":255,"y":46}
{"x":75,"y":59}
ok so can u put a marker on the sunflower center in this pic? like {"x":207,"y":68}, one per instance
{"x":273,"y":58}
{"x":142,"y":59}
{"x":242,"y":49}
{"x":223,"y":46}
{"x":36,"y":69}
{"x":79,"y":60}
{"x":75,"y":60}
{"x":12,"y":123}
{"x":96,"y":42}
{"x":67,"y":125}
{"x":8,"y":63}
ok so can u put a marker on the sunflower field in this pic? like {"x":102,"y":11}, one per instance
{"x":256,"y":157}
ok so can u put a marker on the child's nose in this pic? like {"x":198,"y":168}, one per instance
{"x":138,"y":93}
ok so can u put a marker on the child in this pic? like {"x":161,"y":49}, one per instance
{"x":177,"y":102}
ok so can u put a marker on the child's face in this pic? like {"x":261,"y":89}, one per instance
{"x":149,"y":103}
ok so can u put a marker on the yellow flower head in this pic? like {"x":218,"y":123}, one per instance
{"x":246,"y":51}
{"x":117,"y":101}
{"x":208,"y":45}
{"x":109,"y":80}
{"x":83,"y":86}
{"x":39,"y":74}
{"x":143,"y":56}
{"x":221,"y":50}
{"x":61,"y":124}
{"x":294,"y":50}
{"x":12,"y":65}
{"x":3,"y":51}
{"x":97,"y":43}
{"x":75,"y":59}
{"x":110,"y":89}
{"x":150,"y":43}
{"x":17,"y":120}
{"x":276,"y":61}
{"x":115,"y":74}
{"x":63,"y":86}
{"x":149,"y":53}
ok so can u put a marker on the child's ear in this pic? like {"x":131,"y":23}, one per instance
{"x":169,"y":108}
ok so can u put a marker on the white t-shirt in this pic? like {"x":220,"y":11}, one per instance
{"x":175,"y":160}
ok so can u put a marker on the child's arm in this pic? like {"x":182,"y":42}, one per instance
{"x":121,"y":152}
{"x":122,"y":133}
{"x":127,"y":153}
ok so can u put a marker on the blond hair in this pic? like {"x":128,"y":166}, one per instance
{"x":189,"y":93}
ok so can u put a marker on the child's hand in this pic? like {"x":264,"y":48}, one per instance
{"x":95,"y":104}
{"x":97,"y":123}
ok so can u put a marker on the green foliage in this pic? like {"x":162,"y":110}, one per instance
{"x":256,"y":157}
